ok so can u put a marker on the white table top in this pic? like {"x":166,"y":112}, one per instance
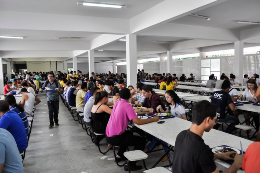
{"x":197,"y":98}
{"x":169,"y":130}
{"x":18,"y":99}
{"x":249,"y":107}
{"x":180,"y":94}
{"x":239,"y":87}
{"x":191,"y":83}
{"x":150,"y":83}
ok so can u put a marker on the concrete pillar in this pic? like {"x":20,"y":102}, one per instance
{"x":114,"y":67}
{"x":203,"y":55}
{"x":1,"y":77}
{"x":162,"y":58}
{"x":75,"y":65}
{"x":91,"y":61}
{"x":131,"y":59}
{"x":8,"y":70}
{"x":65,"y":67}
{"x":239,"y":54}
{"x":169,"y":62}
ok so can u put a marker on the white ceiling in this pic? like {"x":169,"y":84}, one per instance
{"x":47,"y":35}
{"x":70,"y":7}
{"x":225,"y":15}
{"x":151,"y":39}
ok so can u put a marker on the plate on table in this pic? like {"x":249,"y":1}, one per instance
{"x":218,"y":150}
{"x":161,"y":114}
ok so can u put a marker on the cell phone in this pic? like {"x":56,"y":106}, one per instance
{"x":160,"y":122}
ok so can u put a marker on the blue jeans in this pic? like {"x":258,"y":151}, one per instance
{"x":154,"y":142}
{"x":228,"y":119}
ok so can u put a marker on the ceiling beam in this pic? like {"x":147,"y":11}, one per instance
{"x":103,"y":40}
{"x":250,"y":34}
{"x":37,"y":54}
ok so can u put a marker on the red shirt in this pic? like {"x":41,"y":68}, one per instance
{"x":251,"y":162}
{"x":153,"y":102}
{"x":6,"y":88}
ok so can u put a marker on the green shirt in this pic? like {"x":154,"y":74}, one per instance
{"x":38,"y":78}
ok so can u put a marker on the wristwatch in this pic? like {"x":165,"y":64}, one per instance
{"x":141,"y":110}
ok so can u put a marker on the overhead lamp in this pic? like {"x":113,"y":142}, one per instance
{"x":200,"y":16}
{"x":100,"y":50}
{"x":247,"y":22}
{"x":94,"y":4}
{"x":14,"y":37}
{"x":162,"y":41}
{"x":122,"y":39}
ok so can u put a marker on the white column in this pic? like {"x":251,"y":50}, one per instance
{"x":75,"y":65}
{"x":8,"y":70}
{"x":131,"y":59}
{"x":202,"y":55}
{"x":1,"y":77}
{"x":114,"y":67}
{"x":65,"y":67}
{"x":91,"y":62}
{"x":239,"y":54}
{"x":169,"y":62}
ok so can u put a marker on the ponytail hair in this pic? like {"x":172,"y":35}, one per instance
{"x":99,"y":96}
{"x":10,"y":99}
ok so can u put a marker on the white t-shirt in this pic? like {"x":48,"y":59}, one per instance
{"x":31,"y":90}
{"x":236,"y":82}
{"x":177,"y":111}
{"x":106,"y":89}
{"x":247,"y":94}
{"x":233,"y":92}
{"x":27,"y":77}
{"x":245,"y":81}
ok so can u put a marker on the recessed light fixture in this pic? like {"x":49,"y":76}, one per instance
{"x":100,"y":50}
{"x":14,"y":37}
{"x":162,"y":41}
{"x":94,"y":4}
{"x":253,"y":23}
{"x":200,"y":16}
{"x":122,"y":39}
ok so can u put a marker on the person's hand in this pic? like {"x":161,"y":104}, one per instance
{"x":241,"y":96}
{"x":155,"y":119}
{"x":137,"y":110}
{"x":136,"y":102}
{"x":226,"y":156}
{"x":252,"y":99}
{"x":238,"y":160}
{"x":159,"y":108}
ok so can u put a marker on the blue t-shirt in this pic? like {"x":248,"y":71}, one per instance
{"x":12,"y":122}
{"x":9,"y":156}
{"x":72,"y":97}
{"x":23,"y":117}
{"x":87,"y":96}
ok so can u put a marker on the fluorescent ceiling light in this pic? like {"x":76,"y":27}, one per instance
{"x":254,"y":23}
{"x":162,"y":41}
{"x":93,"y":4}
{"x":122,"y":39}
{"x":200,"y":16}
{"x":100,"y":50}
{"x":14,"y":37}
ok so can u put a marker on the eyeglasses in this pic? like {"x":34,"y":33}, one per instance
{"x":167,"y":97}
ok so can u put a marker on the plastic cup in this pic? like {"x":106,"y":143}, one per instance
{"x":235,"y":99}
{"x":151,"y":111}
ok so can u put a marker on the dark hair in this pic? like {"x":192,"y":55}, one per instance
{"x":174,"y":96}
{"x":245,"y":75}
{"x":252,"y":81}
{"x":169,"y":80}
{"x":124,"y":93}
{"x":174,"y":74}
{"x":202,"y":110}
{"x":4,"y":107}
{"x":222,"y":77}
{"x":94,"y":90}
{"x":110,"y":83}
{"x":68,"y":83}
{"x":10,"y":99}
{"x":211,"y":77}
{"x":99,"y":96}
{"x":9,"y":82}
{"x":232,"y":76}
{"x":84,"y":85}
{"x":147,"y":88}
{"x":90,"y":85}
{"x":74,"y":83}
{"x":23,"y":90}
{"x":101,"y":82}
{"x":121,"y":81}
{"x":225,"y":84}
{"x":131,"y":86}
{"x":139,"y":85}
{"x":51,"y":74}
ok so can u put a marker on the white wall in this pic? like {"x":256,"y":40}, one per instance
{"x":103,"y":67}
{"x":121,"y":69}
{"x":82,"y":66}
{"x":38,"y":66}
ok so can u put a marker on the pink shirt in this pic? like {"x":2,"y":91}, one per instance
{"x":120,"y":117}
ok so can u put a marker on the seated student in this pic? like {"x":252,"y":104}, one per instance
{"x":121,"y":84}
{"x":251,"y":161}
{"x":10,"y":159}
{"x":163,"y":84}
{"x":75,"y":74}
{"x":183,"y":78}
{"x":28,"y":88}
{"x":10,"y":99}
{"x":89,"y":105}
{"x":245,"y":79}
{"x":152,"y":100}
{"x":122,"y":114}
{"x":72,"y":94}
{"x":234,"y":81}
{"x":114,"y":91}
{"x":220,"y":82}
{"x":191,"y":77}
{"x":36,"y":84}
{"x":61,"y":81}
{"x":101,"y":85}
{"x":174,"y":78}
{"x":8,"y":88}
{"x":139,"y":97}
{"x":66,"y":86}
{"x":80,"y":98}
{"x":28,"y":102}
{"x":223,"y":100}
{"x":161,"y":79}
{"x":191,"y":154}
{"x":211,"y":83}
{"x":12,"y":122}
{"x":170,"y":84}
{"x":100,"y":114}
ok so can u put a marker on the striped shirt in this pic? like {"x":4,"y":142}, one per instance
{"x":140,"y":98}
{"x":23,"y":117}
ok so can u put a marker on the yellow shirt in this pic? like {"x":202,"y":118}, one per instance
{"x":69,"y":75}
{"x":38,"y":86}
{"x":80,"y":98}
{"x":61,"y":83}
{"x":170,"y":86}
{"x":75,"y":75}
{"x":162,"y":85}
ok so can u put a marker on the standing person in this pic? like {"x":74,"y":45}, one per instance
{"x":10,"y":159}
{"x":191,"y":154}
{"x":53,"y":99}
{"x":27,"y":76}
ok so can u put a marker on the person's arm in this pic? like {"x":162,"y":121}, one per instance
{"x":1,"y":167}
{"x":257,"y":94}
{"x":24,"y":97}
{"x":184,"y":117}
{"x":106,"y":109}
{"x":139,"y":121}
{"x":238,"y":160}
{"x":37,"y":101}
{"x":160,"y":109}
{"x":2,"y":156}
{"x":232,"y":106}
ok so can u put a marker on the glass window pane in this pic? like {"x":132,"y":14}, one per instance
{"x":205,"y":63}
{"x":204,"y":77}
{"x":205,"y":71}
{"x":215,"y":65}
